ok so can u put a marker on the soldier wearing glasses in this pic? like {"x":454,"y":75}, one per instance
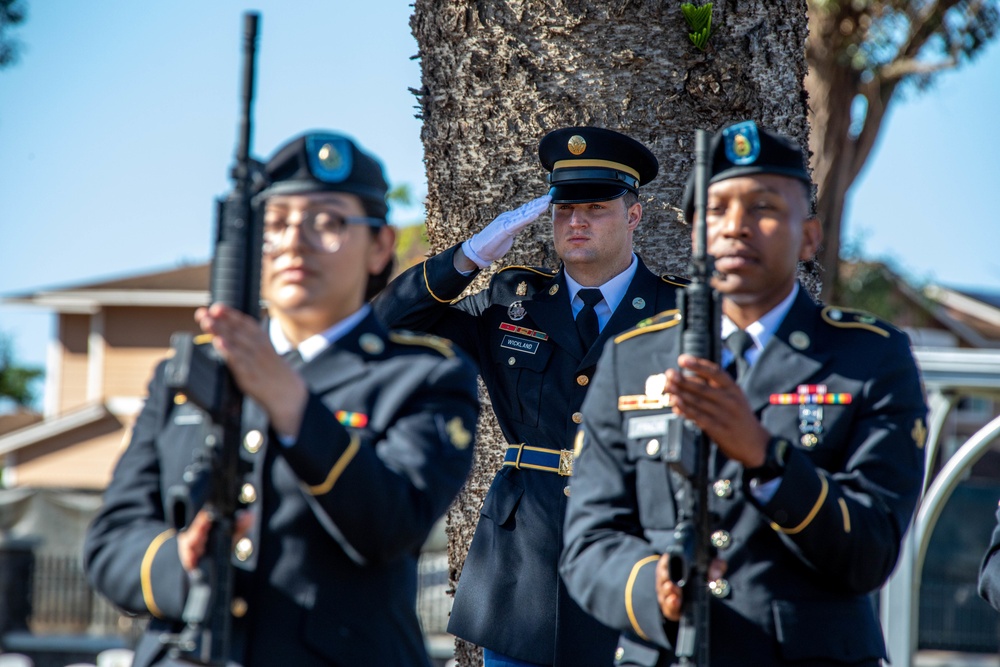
{"x":356,"y":439}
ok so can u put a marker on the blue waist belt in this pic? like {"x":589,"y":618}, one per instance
{"x":526,"y":457}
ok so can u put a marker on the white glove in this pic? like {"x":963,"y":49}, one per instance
{"x":496,"y":238}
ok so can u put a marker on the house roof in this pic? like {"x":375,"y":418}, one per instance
{"x":50,"y":428}
{"x":17,"y":420}
{"x":185,"y":286}
{"x":974,"y":314}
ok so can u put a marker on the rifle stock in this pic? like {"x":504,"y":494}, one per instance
{"x":688,"y":448}
{"x":212,"y":480}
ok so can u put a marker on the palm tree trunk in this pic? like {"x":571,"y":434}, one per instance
{"x":498,"y":75}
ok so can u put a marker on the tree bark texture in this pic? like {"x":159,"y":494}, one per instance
{"x":498,"y":75}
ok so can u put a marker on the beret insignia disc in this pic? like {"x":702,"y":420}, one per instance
{"x":576,"y":144}
{"x":742,"y":143}
{"x":329,"y":158}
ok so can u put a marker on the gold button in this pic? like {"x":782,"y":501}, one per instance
{"x":252,"y":441}
{"x":244,"y":549}
{"x":248,"y":494}
{"x":511,"y":361}
{"x":577,"y":417}
{"x":566,"y":490}
{"x":652,"y":447}
{"x":582,"y":380}
{"x":619,"y":653}
{"x":239,"y":607}
{"x":721,"y":539}
{"x":723,"y":488}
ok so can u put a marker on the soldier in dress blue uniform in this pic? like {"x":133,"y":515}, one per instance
{"x":536,"y":335}
{"x":816,"y":463}
{"x":351,"y":455}
{"x":989,"y":571}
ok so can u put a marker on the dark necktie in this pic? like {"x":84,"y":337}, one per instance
{"x":738,"y":343}
{"x":586,"y":319}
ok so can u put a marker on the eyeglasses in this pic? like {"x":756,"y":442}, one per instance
{"x":319,"y":230}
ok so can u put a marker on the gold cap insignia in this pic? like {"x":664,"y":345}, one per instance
{"x":576,"y":144}
{"x":459,"y":435}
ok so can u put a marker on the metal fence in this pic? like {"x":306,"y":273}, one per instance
{"x":954,"y":618}
{"x":63,"y":602}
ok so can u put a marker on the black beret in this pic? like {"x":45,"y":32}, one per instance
{"x":744,"y":149}
{"x":322,"y":161}
{"x":589,"y":164}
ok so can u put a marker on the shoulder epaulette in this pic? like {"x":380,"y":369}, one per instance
{"x":850,"y":318}
{"x":440,"y":345}
{"x":548,"y":273}
{"x":658,"y":322}
{"x":675,"y":280}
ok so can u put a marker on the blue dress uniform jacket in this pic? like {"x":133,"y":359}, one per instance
{"x":385,"y":444}
{"x":521,"y":333}
{"x":989,"y":572}
{"x":800,"y":565}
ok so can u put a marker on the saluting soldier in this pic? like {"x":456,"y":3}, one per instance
{"x":536,"y":335}
{"x":816,"y":463}
{"x":354,"y":446}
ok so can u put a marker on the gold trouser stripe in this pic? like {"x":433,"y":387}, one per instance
{"x":565,"y":164}
{"x":430,"y":291}
{"x":847,"y":515}
{"x":337,"y":469}
{"x":628,"y":593}
{"x":146,"y":571}
{"x":812,"y":513}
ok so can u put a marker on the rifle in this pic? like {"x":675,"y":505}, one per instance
{"x":688,"y":448}
{"x":213,"y":478}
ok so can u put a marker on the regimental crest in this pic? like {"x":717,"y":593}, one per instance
{"x":742,"y":143}
{"x":522,"y":289}
{"x":330,"y":158}
{"x":919,"y":433}
{"x":459,"y":435}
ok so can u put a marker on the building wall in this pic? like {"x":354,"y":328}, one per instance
{"x":81,"y":459}
{"x":73,"y":333}
{"x":136,"y":339}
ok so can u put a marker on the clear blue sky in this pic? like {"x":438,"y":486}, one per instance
{"x":118,"y":126}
